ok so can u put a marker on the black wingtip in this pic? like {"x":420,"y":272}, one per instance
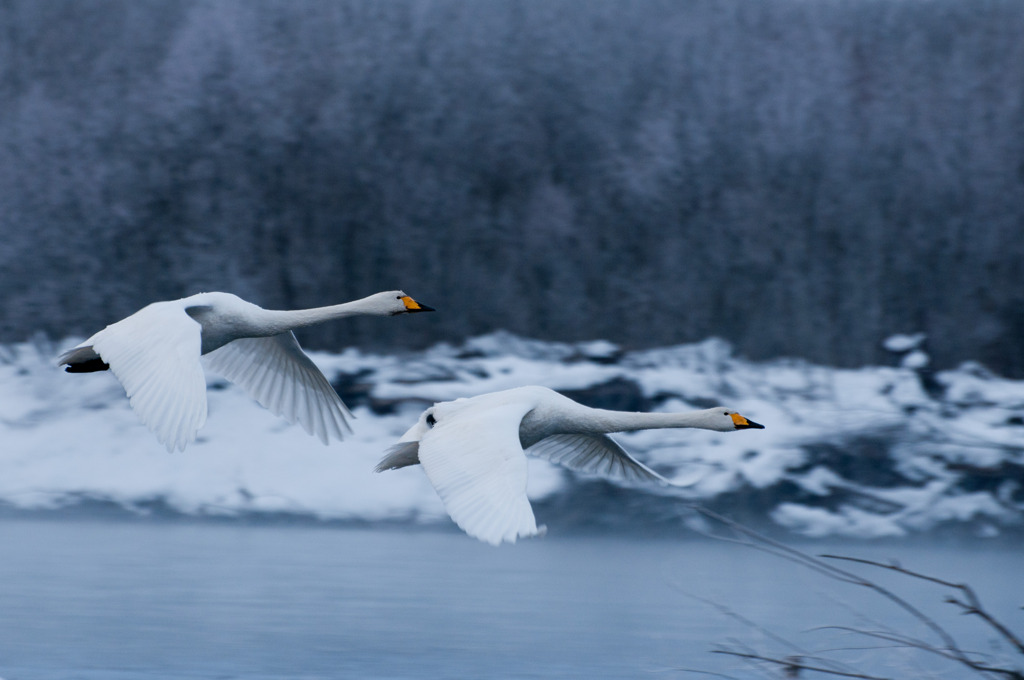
{"x":88,"y":366}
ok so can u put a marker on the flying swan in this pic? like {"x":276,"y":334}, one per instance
{"x":474,"y":451}
{"x":155,"y":352}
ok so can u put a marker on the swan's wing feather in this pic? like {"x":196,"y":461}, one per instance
{"x":154,"y":353}
{"x":594,"y":454}
{"x":474,"y":460}
{"x":407,"y":451}
{"x":277,"y":373}
{"x":402,"y":454}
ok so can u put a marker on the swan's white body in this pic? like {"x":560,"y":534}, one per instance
{"x":474,"y":451}
{"x":155,"y":352}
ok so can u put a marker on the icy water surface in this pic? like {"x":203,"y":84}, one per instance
{"x":153,"y":599}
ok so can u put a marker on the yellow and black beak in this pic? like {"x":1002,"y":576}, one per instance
{"x":742,"y":423}
{"x":413,"y":306}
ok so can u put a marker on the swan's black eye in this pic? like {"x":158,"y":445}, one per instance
{"x":725,"y":413}
{"x":430,"y":420}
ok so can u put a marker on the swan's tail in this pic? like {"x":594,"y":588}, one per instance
{"x":400,"y":455}
{"x":82,"y":359}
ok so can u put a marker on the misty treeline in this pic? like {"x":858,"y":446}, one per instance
{"x":799,"y":177}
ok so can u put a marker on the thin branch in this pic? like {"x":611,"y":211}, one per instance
{"x":972,"y":605}
{"x":694,"y":670}
{"x":793,"y":665}
{"x":754,"y":539}
{"x":725,"y":611}
{"x":950,"y":649}
{"x":797,"y":651}
{"x":949,"y":654}
{"x":900,"y":640}
{"x":893,"y":567}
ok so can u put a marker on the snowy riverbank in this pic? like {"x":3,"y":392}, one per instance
{"x":872,"y":452}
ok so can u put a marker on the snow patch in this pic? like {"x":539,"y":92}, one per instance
{"x":904,"y":342}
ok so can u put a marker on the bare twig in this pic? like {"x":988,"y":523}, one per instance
{"x":971,"y":604}
{"x":900,"y":640}
{"x":794,"y":664}
{"x":912,"y":643}
{"x":694,"y":670}
{"x":725,"y":611}
{"x":949,"y":649}
{"x":795,"y":650}
{"x":761,"y":542}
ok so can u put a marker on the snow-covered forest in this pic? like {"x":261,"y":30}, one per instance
{"x":801,"y":178}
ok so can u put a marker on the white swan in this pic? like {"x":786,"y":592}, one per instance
{"x":473,"y":451}
{"x":155,"y":354}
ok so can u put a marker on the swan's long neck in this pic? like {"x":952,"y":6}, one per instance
{"x":276,"y":321}
{"x":603,"y":421}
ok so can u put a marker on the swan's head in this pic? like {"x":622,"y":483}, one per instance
{"x":726,"y":420}
{"x":394,"y":302}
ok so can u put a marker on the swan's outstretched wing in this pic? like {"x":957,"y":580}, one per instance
{"x":276,"y":372}
{"x":155,"y":355}
{"x":594,"y":454}
{"x":473,"y":458}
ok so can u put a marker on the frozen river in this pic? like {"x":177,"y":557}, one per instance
{"x":126,"y":599}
